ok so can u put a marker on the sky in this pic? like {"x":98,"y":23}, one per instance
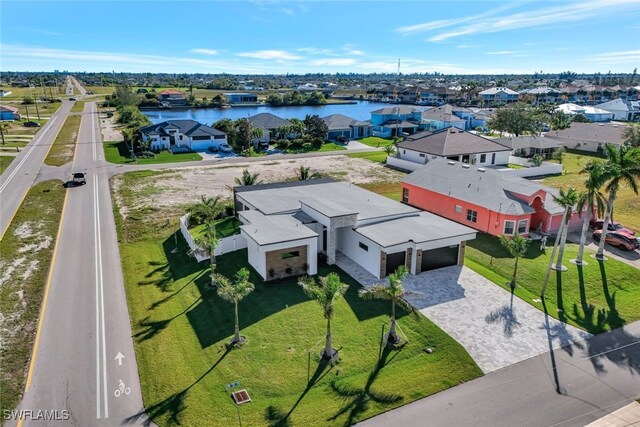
{"x":279,"y":37}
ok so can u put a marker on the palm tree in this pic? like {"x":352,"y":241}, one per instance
{"x":394,"y":291}
{"x":622,"y":165}
{"x":567,"y":200}
{"x":235,"y":292}
{"x":517,"y":247}
{"x":4,"y":126}
{"x":248,"y":178}
{"x":304,"y":174}
{"x":327,"y":291}
{"x":206,"y":210}
{"x":390,"y":149}
{"x":591,"y":200}
{"x":256,"y":133}
{"x":209,"y":240}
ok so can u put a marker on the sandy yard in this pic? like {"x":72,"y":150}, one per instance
{"x":178,"y":187}
{"x":110,"y":129}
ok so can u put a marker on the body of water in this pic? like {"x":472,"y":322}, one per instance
{"x":359,"y":111}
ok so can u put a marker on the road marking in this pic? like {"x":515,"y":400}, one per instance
{"x":26,"y":156}
{"x":119,"y":358}
{"x":97,"y":280}
{"x":101,"y":336}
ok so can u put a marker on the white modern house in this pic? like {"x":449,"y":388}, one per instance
{"x":453,"y":144}
{"x":592,"y":113}
{"x":287,"y":225}
{"x":622,"y":109}
{"x":182,"y":135}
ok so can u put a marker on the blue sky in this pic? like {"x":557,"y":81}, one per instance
{"x":320,"y":36}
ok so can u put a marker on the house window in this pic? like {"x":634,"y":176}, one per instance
{"x":422,"y":155}
{"x":509,"y":227}
{"x":483,"y":158}
{"x":493,"y":158}
{"x":458,"y":209}
{"x":363,"y":246}
{"x":292,"y":254}
{"x":523,"y":226}
{"x":405,"y":195}
{"x":472,"y":216}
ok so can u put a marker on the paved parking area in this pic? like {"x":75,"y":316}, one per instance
{"x":495,"y":327}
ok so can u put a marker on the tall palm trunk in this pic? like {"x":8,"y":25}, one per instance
{"x":393,"y":336}
{"x":328,"y":347}
{"x":212,"y":260}
{"x":236,"y":337}
{"x":583,"y":237}
{"x":563,"y":237}
{"x":548,"y":272}
{"x":515,"y":272}
{"x":607,"y":221}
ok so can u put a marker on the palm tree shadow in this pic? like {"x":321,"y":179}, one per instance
{"x":560,"y":301}
{"x":359,"y":398}
{"x":173,"y":405}
{"x":151,"y":328}
{"x":162,"y":301}
{"x":277,"y":417}
{"x":507,"y":316}
{"x":613,"y":318}
{"x":588,"y":318}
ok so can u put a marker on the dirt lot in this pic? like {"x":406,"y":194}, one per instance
{"x":173,"y":188}
{"x":110,"y":129}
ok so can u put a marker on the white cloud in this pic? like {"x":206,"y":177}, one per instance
{"x":210,"y":52}
{"x":287,"y":11}
{"x":270,"y":54}
{"x":623,"y":57}
{"x":502,"y":52}
{"x":352,"y":50}
{"x":572,"y":12}
{"x":339,"y":62}
{"x":468,"y":46}
{"x":315,"y":51}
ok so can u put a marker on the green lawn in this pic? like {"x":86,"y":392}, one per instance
{"x":327,"y":146}
{"x":627,"y":205}
{"x":180,"y":328}
{"x":374,"y":156}
{"x":590,"y":302}
{"x":78,"y":107}
{"x":392,"y":190}
{"x":376,"y":141}
{"x":5,"y":161}
{"x":64,"y":146}
{"x":117,"y":152}
{"x":25,"y":255}
{"x":224,"y":228}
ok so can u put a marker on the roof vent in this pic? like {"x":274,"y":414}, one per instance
{"x":451,"y":162}
{"x":481,"y":170}
{"x":466,"y":166}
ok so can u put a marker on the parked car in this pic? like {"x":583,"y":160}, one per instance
{"x":79,"y":178}
{"x":225,"y":148}
{"x":618,"y":239}
{"x":598,"y":223}
{"x":31,"y":124}
{"x":72,"y":99}
{"x":342,"y":139}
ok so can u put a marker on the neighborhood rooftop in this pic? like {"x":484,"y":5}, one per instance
{"x":340,"y":121}
{"x":271,"y":229}
{"x":268,"y":121}
{"x":188,"y":127}
{"x":400,"y":109}
{"x":451,"y":141}
{"x":600,"y":132}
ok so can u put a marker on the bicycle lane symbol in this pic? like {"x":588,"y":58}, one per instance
{"x":122,"y":389}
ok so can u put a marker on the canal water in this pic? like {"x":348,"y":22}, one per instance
{"x":359,"y":111}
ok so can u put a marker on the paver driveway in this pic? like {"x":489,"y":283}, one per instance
{"x":495,"y":327}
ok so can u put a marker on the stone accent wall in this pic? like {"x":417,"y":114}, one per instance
{"x":334,"y":223}
{"x":463,"y":245}
{"x":383,"y":264}
{"x":279,"y":265}
{"x":418,"y":261}
{"x":407,"y":259}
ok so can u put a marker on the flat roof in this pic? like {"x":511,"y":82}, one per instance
{"x":271,"y":229}
{"x":422,"y":228}
{"x":330,"y":198}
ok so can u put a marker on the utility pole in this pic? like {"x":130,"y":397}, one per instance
{"x":26,"y":107}
{"x":35,"y":101}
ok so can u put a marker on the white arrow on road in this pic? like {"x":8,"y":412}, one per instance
{"x":119,"y":358}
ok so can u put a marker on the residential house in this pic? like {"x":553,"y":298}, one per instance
{"x":592,"y":113}
{"x":391,"y":121}
{"x":172,"y":97}
{"x":484,"y":199}
{"x":453,"y":144}
{"x":544,"y":95}
{"x":575,"y":94}
{"x":528,"y":146}
{"x":480,"y":118}
{"x":588,"y":136}
{"x":502,"y":95}
{"x":348,"y":127}
{"x":181,"y":135}
{"x":4,"y":93}
{"x":241,"y":98}
{"x":287,"y":225}
{"x":8,"y":112}
{"x":269,"y":123}
{"x":621,"y":109}
{"x":446,"y":116}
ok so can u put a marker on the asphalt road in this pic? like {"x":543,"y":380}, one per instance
{"x":85,"y":326}
{"x":569,"y":387}
{"x":21,"y":173}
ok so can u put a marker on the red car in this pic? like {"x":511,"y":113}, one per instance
{"x":597,"y":224}
{"x":618,"y":239}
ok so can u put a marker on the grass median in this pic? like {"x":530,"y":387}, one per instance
{"x":181,"y":327}
{"x":25,"y":255}
{"x":65,"y":144}
{"x":5,"y":161}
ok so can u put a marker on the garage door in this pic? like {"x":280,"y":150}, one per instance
{"x":438,"y":258}
{"x":394,"y":261}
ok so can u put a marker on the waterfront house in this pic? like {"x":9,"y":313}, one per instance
{"x":172,"y":97}
{"x":182,"y":135}
{"x":343,"y":126}
{"x":484,"y":199}
{"x":241,"y":98}
{"x":269,"y":123}
{"x":287,"y":225}
{"x":392,"y":121}
{"x":446,"y":116}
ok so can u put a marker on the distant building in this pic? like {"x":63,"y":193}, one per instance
{"x":392,"y":121}
{"x":9,"y":113}
{"x":181,"y":135}
{"x":241,"y":98}
{"x":592,"y":113}
{"x":348,"y":127}
{"x":5,"y":92}
{"x":621,"y":109}
{"x":445,"y":116}
{"x":589,"y":136}
{"x":172,"y":97}
{"x":499,"y":95}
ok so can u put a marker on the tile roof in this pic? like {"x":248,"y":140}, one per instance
{"x":496,"y":90}
{"x":339,"y":121}
{"x":444,"y":113}
{"x":451,"y":141}
{"x":188,"y":127}
{"x":400,"y":109}
{"x":171,"y":92}
{"x":268,"y":121}
{"x":595,"y":132}
{"x":519,"y":142}
{"x":617,"y":104}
